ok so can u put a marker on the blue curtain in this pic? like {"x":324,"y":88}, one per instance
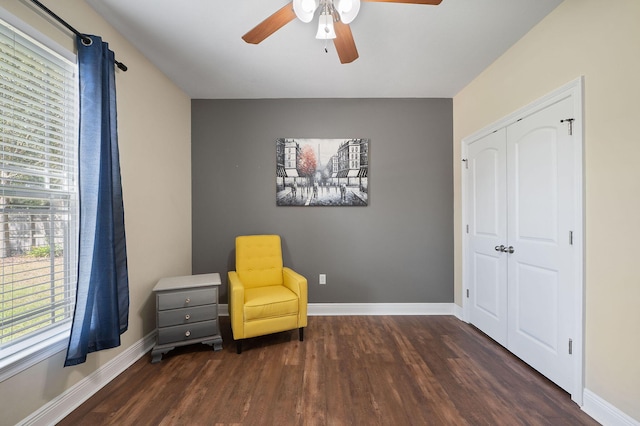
{"x":102,"y":301}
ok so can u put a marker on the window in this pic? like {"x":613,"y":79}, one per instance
{"x":38,"y":196}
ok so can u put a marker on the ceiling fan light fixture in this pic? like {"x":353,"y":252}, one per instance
{"x":325,"y":27}
{"x":348,"y":10}
{"x":309,"y":5}
{"x":340,"y":12}
{"x":305,"y":9}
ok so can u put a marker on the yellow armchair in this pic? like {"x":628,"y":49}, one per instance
{"x":264,"y":296}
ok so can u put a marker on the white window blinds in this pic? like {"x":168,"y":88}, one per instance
{"x":38,"y":194}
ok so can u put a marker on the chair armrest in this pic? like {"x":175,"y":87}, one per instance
{"x":298,"y":284}
{"x":236,"y":305}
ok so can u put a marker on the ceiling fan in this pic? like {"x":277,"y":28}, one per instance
{"x":335,"y":16}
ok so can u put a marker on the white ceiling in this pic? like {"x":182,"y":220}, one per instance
{"x":406,"y":50}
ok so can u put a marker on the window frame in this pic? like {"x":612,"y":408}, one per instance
{"x":30,"y":351}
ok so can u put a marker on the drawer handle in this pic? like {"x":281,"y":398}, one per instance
{"x":187,"y":333}
{"x":187,"y":317}
{"x":187,"y":301}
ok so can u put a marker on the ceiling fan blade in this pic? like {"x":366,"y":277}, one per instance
{"x":270,"y":25}
{"x":431,"y":2}
{"x":345,"y":46}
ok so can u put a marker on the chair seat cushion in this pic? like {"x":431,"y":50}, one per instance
{"x":269,"y":302}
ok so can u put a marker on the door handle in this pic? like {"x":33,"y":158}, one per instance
{"x":503,"y":249}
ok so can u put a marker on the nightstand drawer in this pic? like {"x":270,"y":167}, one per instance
{"x":187,"y":332}
{"x":187,"y":315}
{"x":187,"y":298}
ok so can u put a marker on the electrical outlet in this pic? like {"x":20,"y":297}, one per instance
{"x":322,"y":279}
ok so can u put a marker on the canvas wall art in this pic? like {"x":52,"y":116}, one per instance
{"x":322,"y":172}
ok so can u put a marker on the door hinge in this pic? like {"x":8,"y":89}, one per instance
{"x":570,"y":238}
{"x":570,"y":121}
{"x":466,"y":163}
{"x":570,"y":346}
{"x":467,"y":229}
{"x":467,"y":293}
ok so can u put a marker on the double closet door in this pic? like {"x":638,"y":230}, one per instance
{"x":520,"y":206}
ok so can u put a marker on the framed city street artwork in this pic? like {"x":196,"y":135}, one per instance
{"x":322,"y":172}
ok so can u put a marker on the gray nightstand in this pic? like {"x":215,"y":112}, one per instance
{"x":187,"y":313}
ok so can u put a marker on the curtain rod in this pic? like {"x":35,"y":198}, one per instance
{"x":120,"y":65}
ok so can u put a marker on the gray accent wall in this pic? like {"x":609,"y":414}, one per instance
{"x":398,"y":249}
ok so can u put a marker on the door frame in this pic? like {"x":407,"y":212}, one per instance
{"x":574,"y":89}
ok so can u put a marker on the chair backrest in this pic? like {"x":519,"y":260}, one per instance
{"x":259,"y":260}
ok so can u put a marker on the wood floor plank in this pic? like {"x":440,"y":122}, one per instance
{"x":373,"y":370}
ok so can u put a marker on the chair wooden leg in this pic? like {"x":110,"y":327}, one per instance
{"x":238,"y":347}
{"x":301,"y":333}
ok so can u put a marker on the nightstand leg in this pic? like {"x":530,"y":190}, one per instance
{"x":156,"y":354}
{"x":216,"y":344}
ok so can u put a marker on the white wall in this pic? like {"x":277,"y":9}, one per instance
{"x":155,"y":152}
{"x":600,"y":40}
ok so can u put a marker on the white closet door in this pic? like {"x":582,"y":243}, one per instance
{"x":487,"y":201}
{"x":540,"y":216}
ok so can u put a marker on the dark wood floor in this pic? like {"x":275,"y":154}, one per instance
{"x":360,"y":370}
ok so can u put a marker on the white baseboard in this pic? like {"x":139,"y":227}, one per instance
{"x":458,"y":311}
{"x":337,"y":309}
{"x":58,"y":408}
{"x":605,"y":413}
